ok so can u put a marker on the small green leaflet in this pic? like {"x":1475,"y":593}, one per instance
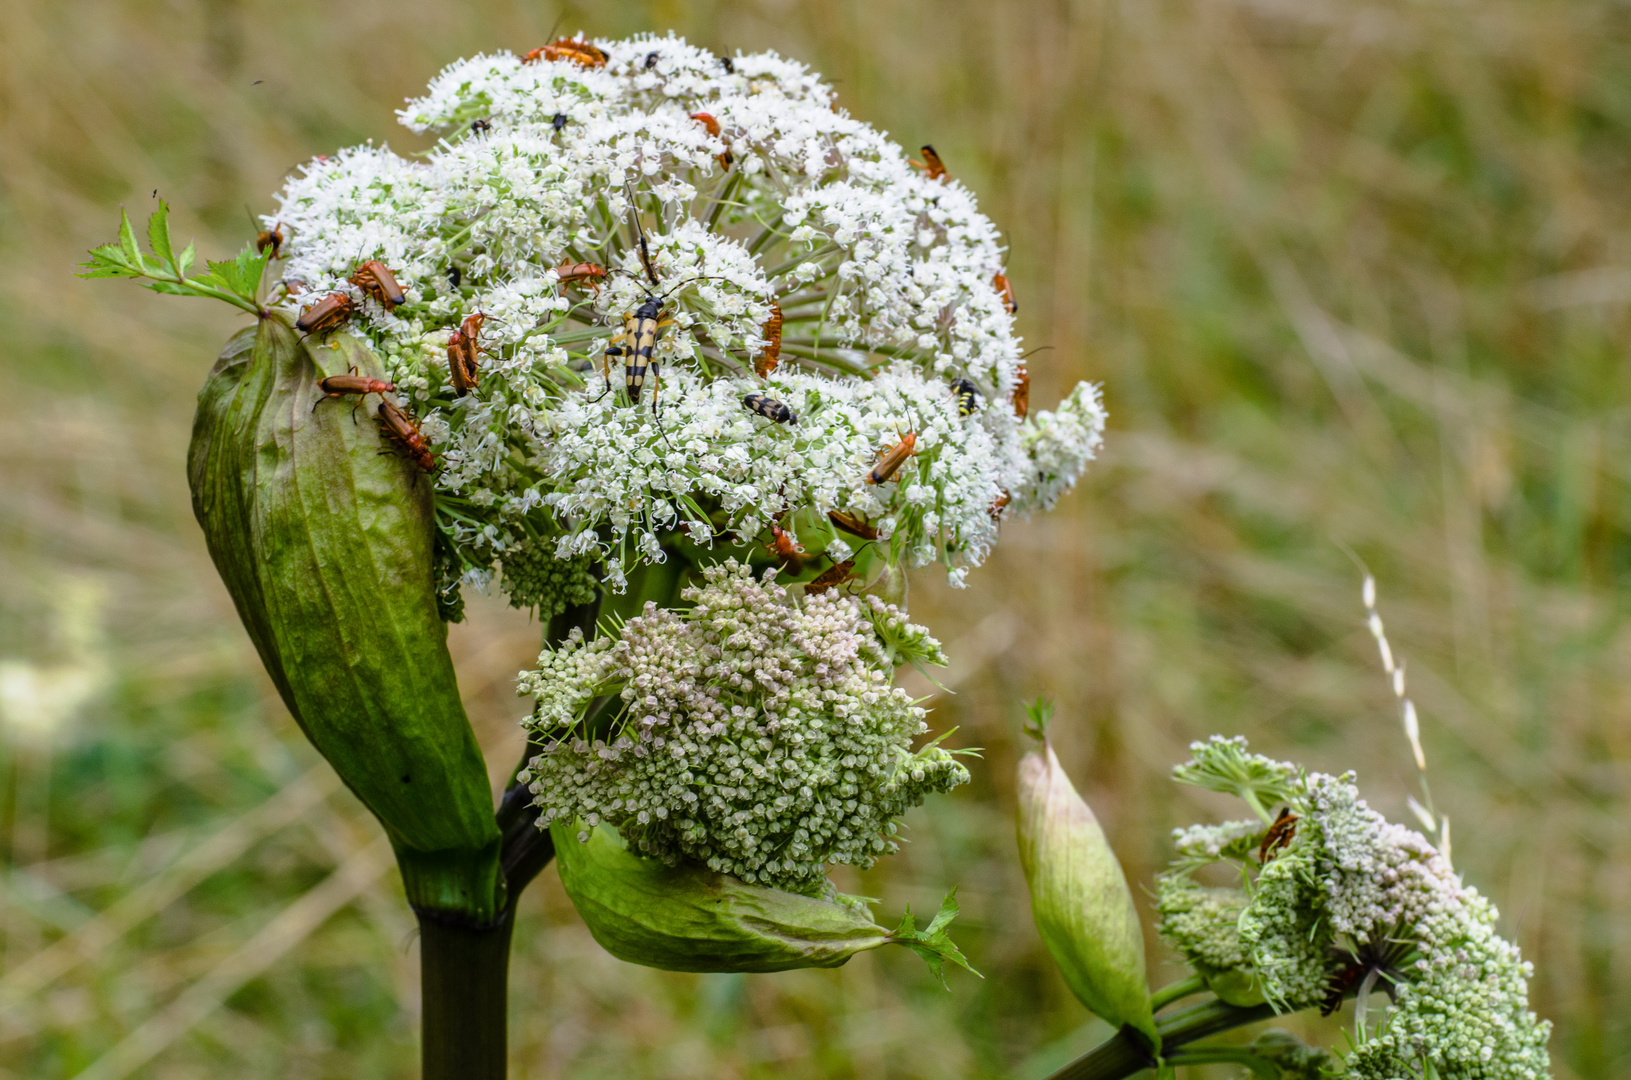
{"x":932,"y":942}
{"x":236,"y":281}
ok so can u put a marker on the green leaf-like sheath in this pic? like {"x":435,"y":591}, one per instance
{"x":1079,"y":897}
{"x":325,"y":544}
{"x":689,"y":918}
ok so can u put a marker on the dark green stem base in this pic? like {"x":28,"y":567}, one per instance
{"x":464,"y":976}
{"x":1125,"y":1054}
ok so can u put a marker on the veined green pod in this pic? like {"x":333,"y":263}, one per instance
{"x":325,"y":543}
{"x":689,"y":918}
{"x":1079,"y":897}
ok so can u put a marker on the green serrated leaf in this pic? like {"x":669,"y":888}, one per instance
{"x":211,"y":281}
{"x":933,"y":943}
{"x":127,"y":240}
{"x":108,"y":257}
{"x":251,"y":267}
{"x":185,"y":260}
{"x":224,"y":275}
{"x":108,"y":261}
{"x":169,"y":288}
{"x":158,"y":233}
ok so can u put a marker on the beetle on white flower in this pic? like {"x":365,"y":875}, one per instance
{"x":883,"y":278}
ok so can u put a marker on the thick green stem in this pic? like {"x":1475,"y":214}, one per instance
{"x":464,"y":969}
{"x":1124,"y":1054}
{"x":464,"y":975}
{"x":1173,"y":991}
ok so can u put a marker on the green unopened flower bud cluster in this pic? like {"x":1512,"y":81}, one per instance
{"x":534,"y":578}
{"x":1352,"y":889}
{"x":756,"y":733}
{"x":1202,"y":922}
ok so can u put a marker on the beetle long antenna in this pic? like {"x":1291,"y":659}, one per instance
{"x":640,"y":233}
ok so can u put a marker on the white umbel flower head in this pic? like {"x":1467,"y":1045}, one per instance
{"x":566,"y":195}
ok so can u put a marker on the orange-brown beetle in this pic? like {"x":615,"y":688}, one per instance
{"x":375,"y":278}
{"x":893,"y":459}
{"x":766,"y":362}
{"x":932,"y":164}
{"x":1007,"y":292}
{"x":1022,"y":392}
{"x":1279,"y":834}
{"x":339,"y":385}
{"x":462,"y":349}
{"x":326,"y":314}
{"x":572,"y":273}
{"x":852,"y":524}
{"x":579,"y":52}
{"x":786,"y":549}
{"x":712,"y":125}
{"x":1001,"y":501}
{"x":271,"y":238}
{"x":395,"y":425}
{"x":836,"y":574}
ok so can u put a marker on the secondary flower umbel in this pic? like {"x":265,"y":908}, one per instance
{"x":750,"y":187}
{"x":1342,"y":901}
{"x":755,"y":732}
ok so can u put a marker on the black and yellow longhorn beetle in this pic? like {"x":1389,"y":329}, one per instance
{"x":640,"y":334}
{"x":770,"y":409}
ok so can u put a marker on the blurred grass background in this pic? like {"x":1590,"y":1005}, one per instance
{"x":1354,"y":275}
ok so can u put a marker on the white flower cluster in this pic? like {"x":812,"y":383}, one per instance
{"x":754,"y":732}
{"x":718,"y":187}
{"x":1340,"y":899}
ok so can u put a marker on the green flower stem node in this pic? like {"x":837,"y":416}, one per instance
{"x":690,"y":918}
{"x":324,"y":538}
{"x":1079,"y":897}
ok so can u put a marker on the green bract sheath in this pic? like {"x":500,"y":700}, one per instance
{"x":689,"y":918}
{"x":1079,"y":896}
{"x":325,"y":544}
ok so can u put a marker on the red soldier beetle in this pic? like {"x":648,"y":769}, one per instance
{"x":836,"y":574}
{"x":893,"y":459}
{"x":1279,"y":834}
{"x":463,"y":348}
{"x":1007,"y":292}
{"x":395,"y":425}
{"x":375,"y":278}
{"x":766,"y":362}
{"x":328,"y":313}
{"x":573,"y":273}
{"x":932,"y":164}
{"x":579,"y":52}
{"x":339,"y":385}
{"x":786,"y":549}
{"x":1022,"y":392}
{"x":1002,"y":500}
{"x":267,"y":238}
{"x":852,"y":525}
{"x":271,"y":238}
{"x":712,"y":126}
